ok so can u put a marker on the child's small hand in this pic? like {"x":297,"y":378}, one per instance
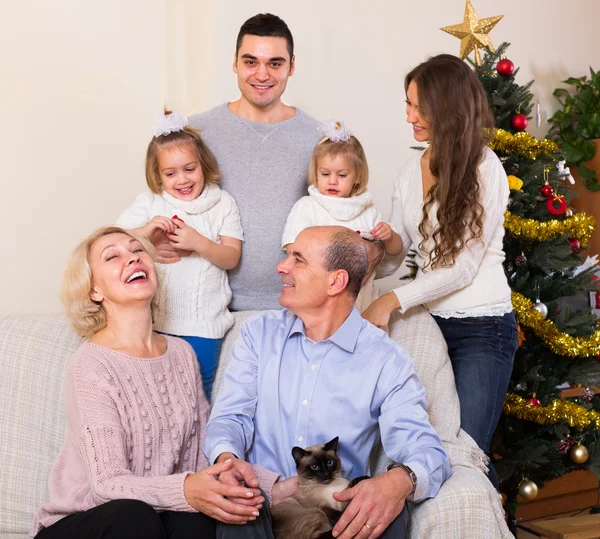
{"x":186,"y":238}
{"x":159,"y":222}
{"x":382,"y":231}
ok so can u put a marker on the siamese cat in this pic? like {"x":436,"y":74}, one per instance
{"x":312,"y":512}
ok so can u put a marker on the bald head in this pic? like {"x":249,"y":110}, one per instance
{"x":343,"y":249}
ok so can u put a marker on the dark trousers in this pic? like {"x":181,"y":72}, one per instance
{"x":132,"y":519}
{"x":482,"y":350}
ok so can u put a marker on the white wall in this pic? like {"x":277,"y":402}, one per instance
{"x":83,"y":82}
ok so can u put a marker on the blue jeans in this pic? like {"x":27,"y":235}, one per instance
{"x":482,"y":350}
{"x":207,"y":353}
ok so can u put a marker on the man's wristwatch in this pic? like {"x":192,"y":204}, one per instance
{"x":411,"y":475}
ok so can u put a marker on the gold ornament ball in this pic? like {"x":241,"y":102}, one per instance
{"x":579,"y":454}
{"x":528,"y":490}
{"x":503,"y":498}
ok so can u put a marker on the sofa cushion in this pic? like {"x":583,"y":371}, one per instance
{"x":34,"y":351}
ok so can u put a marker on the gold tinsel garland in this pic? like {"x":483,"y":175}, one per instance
{"x":521,"y":143}
{"x":557,"y":411}
{"x":579,"y":226}
{"x":559,"y":342}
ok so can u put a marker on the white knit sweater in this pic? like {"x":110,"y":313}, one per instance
{"x":476,"y":284}
{"x":194,"y":293}
{"x":357,"y":213}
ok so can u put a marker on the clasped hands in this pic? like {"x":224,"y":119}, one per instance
{"x":376,"y":501}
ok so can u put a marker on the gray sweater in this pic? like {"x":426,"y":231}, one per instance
{"x":265,"y":168}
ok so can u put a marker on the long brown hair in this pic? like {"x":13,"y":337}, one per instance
{"x":453,"y":102}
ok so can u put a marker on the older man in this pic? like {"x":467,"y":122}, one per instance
{"x":316,"y":370}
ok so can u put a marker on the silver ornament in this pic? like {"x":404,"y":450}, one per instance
{"x":541,"y":308}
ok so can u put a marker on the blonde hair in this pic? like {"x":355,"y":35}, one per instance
{"x":85,"y":315}
{"x":188,"y":135}
{"x":351,"y":149}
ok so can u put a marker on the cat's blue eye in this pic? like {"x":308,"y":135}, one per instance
{"x":330,"y":463}
{"x":314,"y":467}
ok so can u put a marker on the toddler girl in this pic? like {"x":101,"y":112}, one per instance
{"x":202,"y":222}
{"x":338,"y":195}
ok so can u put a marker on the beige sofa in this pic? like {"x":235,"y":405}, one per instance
{"x":34,"y":351}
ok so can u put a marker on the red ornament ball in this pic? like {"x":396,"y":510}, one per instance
{"x":546,"y":190}
{"x":505,"y":67}
{"x":534,"y":403}
{"x":518,"y":122}
{"x":556,"y":205}
{"x":575,"y":245}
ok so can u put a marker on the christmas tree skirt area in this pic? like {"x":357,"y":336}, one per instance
{"x":572,"y":493}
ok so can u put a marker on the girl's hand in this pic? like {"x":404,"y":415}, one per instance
{"x":159,"y":222}
{"x":185,"y":238}
{"x":382,"y":231}
{"x":381,"y":309}
{"x":206,"y":494}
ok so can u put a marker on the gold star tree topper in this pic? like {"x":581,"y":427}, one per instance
{"x":473,"y":32}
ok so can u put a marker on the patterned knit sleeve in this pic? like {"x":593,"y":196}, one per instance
{"x":232,"y":224}
{"x":300,"y":217}
{"x":440,"y":282}
{"x":103,"y":443}
{"x":139,"y":213}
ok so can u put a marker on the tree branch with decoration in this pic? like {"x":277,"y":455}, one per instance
{"x":542,"y":434}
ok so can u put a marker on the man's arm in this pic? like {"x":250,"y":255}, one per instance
{"x":230,"y":428}
{"x":408,"y":438}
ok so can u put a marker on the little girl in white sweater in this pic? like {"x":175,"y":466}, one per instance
{"x":338,"y":195}
{"x":203,"y":223}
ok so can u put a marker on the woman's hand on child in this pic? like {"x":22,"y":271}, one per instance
{"x":382,"y":231}
{"x":381,"y":309}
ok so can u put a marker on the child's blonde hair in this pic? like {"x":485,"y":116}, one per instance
{"x":85,"y":315}
{"x":188,"y":135}
{"x":352,"y":150}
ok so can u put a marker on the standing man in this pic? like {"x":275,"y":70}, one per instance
{"x":263,"y":148}
{"x":316,"y":370}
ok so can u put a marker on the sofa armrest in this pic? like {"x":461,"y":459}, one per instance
{"x":466,"y":507}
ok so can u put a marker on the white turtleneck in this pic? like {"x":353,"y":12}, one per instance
{"x":194,"y":293}
{"x":357,"y":213}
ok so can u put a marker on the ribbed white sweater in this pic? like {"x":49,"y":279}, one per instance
{"x":476,"y":284}
{"x":193,"y":293}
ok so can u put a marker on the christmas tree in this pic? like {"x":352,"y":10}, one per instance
{"x":542,"y":435}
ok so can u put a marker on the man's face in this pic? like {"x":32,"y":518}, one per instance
{"x":304,"y":281}
{"x":263,"y":65}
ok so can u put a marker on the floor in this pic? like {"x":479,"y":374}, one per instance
{"x":522,"y":534}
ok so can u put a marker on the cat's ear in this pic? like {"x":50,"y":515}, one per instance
{"x":298,"y":453}
{"x":332,"y":445}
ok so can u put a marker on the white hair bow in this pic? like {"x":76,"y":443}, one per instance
{"x":169,"y":123}
{"x":335,"y":131}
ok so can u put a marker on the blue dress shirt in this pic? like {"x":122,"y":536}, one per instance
{"x":282,"y":390}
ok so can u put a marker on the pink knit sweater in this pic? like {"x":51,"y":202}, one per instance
{"x":134,"y":430}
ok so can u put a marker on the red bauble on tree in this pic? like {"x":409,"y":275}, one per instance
{"x":519,"y":122}
{"x":575,"y":245}
{"x":546,"y":190}
{"x":556,"y":205}
{"x":505,"y":67}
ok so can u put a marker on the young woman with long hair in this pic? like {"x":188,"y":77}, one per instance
{"x":448,"y":205}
